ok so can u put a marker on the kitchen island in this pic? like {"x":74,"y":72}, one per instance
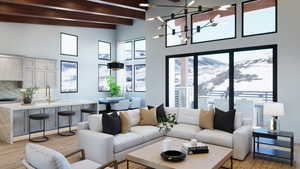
{"x":14,"y":116}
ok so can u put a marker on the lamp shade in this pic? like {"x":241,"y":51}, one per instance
{"x":115,"y":65}
{"x":274,"y":109}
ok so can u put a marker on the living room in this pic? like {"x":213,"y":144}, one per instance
{"x":110,"y":83}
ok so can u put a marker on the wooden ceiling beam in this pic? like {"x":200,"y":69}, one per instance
{"x":23,"y":10}
{"x":15,"y":9}
{"x":131,"y":3}
{"x":83,"y":6}
{"x":44,"y":21}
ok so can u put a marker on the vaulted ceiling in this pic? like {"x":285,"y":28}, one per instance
{"x":84,"y":13}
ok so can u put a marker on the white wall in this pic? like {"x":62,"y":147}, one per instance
{"x":43,"y":41}
{"x":288,"y":40}
{"x":125,"y":33}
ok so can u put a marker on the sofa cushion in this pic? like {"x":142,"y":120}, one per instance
{"x":206,"y":120}
{"x":125,"y":141}
{"x":184,"y":131}
{"x":111,"y":123}
{"x":134,"y":116}
{"x":125,"y":122}
{"x":86,"y":164}
{"x":147,"y":132}
{"x":188,"y":116}
{"x":216,"y":137}
{"x":224,"y":120}
{"x":95,"y":122}
{"x":44,"y":158}
{"x":148,"y":117}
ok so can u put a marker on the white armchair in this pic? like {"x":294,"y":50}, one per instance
{"x":121,"y":105}
{"x":40,"y":157}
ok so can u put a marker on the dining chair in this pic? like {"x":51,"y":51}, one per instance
{"x":121,"y":105}
{"x":135,"y":103}
{"x":40,"y":157}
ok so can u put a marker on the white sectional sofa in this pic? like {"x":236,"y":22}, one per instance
{"x":101,"y":147}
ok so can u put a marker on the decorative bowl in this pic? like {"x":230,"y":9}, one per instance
{"x":173,"y":156}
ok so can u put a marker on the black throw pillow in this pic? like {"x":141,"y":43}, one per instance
{"x":160,"y":113}
{"x":111,"y":123}
{"x":224,"y":120}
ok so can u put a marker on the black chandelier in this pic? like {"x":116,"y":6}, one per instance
{"x":184,"y":11}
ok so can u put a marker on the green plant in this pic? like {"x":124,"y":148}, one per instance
{"x":114,"y":88}
{"x":29,"y":92}
{"x":166,"y":124}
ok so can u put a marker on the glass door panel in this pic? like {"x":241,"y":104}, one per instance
{"x":181,"y":82}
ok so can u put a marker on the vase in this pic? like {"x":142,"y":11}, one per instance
{"x":167,"y":144}
{"x":27,"y":100}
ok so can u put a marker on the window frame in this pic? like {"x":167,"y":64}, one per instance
{"x":77,"y":66}
{"x":77,"y":37}
{"x":235,"y":28}
{"x":101,"y":64}
{"x":134,"y":72}
{"x":131,"y":51}
{"x":109,"y":51}
{"x":231,"y":71}
{"x":134,"y":56}
{"x":166,"y":32}
{"x":258,"y":34}
{"x":132,"y":78}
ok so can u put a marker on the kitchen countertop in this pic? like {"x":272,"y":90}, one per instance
{"x":58,"y":103}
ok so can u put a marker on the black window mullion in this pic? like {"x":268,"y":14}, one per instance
{"x":196,"y":81}
{"x":275,"y":69}
{"x":231,"y":80}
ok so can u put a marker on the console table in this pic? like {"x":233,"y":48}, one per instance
{"x":276,"y":139}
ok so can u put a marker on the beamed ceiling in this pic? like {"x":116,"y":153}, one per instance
{"x":83,"y":13}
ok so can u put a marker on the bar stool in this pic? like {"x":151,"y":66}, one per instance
{"x":68,"y":114}
{"x":43,"y":117}
{"x":87,"y":111}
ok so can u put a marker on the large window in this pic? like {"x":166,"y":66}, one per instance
{"x":140,"y":49}
{"x":104,"y":50}
{"x":68,"y":44}
{"x":181,"y":81}
{"x":225,"y":28}
{"x":125,"y":51}
{"x":69,"y":77}
{"x":139,"y":78}
{"x":259,"y":17}
{"x":224,"y":78}
{"x":103,"y":74}
{"x":175,"y":34}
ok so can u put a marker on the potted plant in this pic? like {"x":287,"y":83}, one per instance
{"x":166,"y":124}
{"x":114,"y":88}
{"x":28,"y":95}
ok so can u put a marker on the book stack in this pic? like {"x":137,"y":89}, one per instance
{"x":199,"y":149}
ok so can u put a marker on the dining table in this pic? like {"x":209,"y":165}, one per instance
{"x":107,"y":101}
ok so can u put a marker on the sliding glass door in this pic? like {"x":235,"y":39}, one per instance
{"x":181,"y":81}
{"x":227,"y":79}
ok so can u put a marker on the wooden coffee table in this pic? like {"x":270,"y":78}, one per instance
{"x":149,"y":156}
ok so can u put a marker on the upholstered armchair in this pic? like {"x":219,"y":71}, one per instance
{"x":40,"y":157}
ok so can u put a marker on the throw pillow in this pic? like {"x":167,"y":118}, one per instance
{"x":160,"y":113}
{"x":125,"y":122}
{"x":111,"y":123}
{"x":206,"y":120}
{"x":224,"y":120}
{"x":148,"y":117}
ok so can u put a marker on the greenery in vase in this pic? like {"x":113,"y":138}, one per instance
{"x":29,"y":92}
{"x":166,"y":124}
{"x":114,"y":88}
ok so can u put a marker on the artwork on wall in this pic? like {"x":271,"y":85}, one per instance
{"x":126,"y":51}
{"x":129,"y":82}
{"x":69,"y":77}
{"x":103,"y":74}
{"x":104,"y":50}
{"x":140,"y":49}
{"x":68,"y":44}
{"x":139,"y":78}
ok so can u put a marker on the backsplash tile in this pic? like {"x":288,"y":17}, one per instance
{"x":10,"y":89}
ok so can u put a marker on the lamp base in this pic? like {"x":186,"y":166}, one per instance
{"x":273,"y":124}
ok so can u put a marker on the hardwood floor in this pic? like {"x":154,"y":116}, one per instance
{"x":12,"y":155}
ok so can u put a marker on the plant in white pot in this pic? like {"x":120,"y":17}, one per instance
{"x":28,"y":94}
{"x":165,"y":125}
{"x":114,"y":88}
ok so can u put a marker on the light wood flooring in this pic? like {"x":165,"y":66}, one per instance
{"x":11,"y":155}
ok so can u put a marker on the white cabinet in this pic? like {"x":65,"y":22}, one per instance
{"x":39,"y":73}
{"x":11,"y":68}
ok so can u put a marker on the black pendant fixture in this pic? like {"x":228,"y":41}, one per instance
{"x":115,"y":65}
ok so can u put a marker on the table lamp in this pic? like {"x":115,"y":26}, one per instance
{"x":274,"y":109}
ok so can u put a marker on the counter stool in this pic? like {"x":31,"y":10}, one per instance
{"x":88,"y":111}
{"x":68,"y":114}
{"x":39,"y":117}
